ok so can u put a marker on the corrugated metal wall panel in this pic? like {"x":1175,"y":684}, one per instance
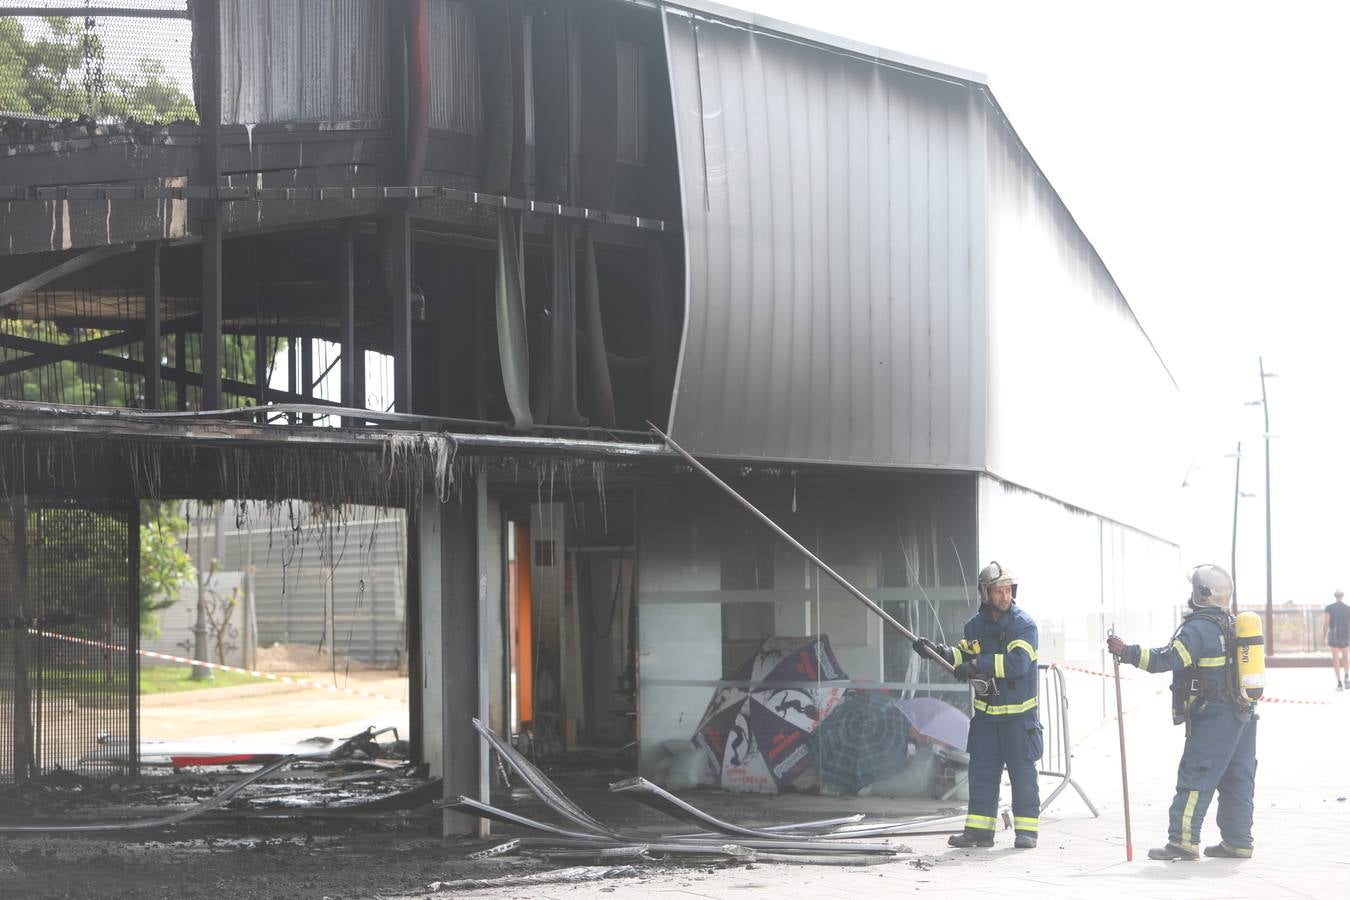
{"x":832,"y":211}
{"x":1081,"y":406}
{"x":456,"y":100}
{"x":302,"y":60}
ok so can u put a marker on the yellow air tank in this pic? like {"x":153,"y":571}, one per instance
{"x":1251,"y":656}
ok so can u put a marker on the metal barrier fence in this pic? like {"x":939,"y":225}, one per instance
{"x":1297,"y":629}
{"x":96,"y":61}
{"x":1057,"y":760}
{"x":75,"y":569}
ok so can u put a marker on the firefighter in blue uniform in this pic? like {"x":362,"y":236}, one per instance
{"x":1220,"y":750}
{"x":998,"y":657}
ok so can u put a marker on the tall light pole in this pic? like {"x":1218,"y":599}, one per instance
{"x":1238,"y":494}
{"x":1270,"y":580}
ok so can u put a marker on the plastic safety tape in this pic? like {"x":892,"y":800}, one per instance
{"x":270,"y":676}
{"x":1264,"y":699}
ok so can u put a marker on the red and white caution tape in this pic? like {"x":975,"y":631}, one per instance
{"x":1138,"y":678}
{"x":270,"y":676}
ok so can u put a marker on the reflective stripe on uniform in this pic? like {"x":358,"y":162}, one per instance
{"x":1183,"y":653}
{"x":1144,"y":653}
{"x":983,"y":823}
{"x":956,"y":656}
{"x":1011,"y":709}
{"x":1026,"y":823}
{"x":1187,"y":841}
{"x":1244,"y":852}
{"x":1022,"y":645}
{"x":1211,"y":662}
{"x":998,"y":666}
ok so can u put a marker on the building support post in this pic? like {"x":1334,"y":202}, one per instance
{"x":346,"y":292}
{"x":151,"y":352}
{"x":208,"y":43}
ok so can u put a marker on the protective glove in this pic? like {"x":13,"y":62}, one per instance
{"x":969,"y":648}
{"x":966,"y":670}
{"x":1116,"y":646}
{"x":927,"y":649}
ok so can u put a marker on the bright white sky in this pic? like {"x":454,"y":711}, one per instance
{"x":1202,"y":147}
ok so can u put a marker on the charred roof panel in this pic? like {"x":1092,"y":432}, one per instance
{"x":833,"y":209}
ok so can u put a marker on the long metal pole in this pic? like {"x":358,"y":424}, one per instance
{"x":797,"y":545}
{"x":1124,"y":771}
{"x":1270,"y":581}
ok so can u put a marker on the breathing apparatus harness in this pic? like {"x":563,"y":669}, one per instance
{"x":1187,"y":688}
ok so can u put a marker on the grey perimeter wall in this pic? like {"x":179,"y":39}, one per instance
{"x":834,"y":269}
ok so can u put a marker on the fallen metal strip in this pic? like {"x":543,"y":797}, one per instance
{"x":666,"y":844}
{"x":486,"y":811}
{"x":663,"y":800}
{"x":174,"y":819}
{"x":824,"y":827}
{"x":541,"y":784}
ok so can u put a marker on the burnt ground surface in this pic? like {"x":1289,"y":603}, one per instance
{"x":314,"y":835}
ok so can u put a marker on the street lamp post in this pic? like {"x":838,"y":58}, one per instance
{"x":1270,"y":580}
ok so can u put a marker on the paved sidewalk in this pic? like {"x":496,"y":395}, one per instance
{"x":1301,"y":829}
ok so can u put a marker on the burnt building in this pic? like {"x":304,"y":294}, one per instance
{"x":451,"y":256}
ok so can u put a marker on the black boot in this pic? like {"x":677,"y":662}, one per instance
{"x":971,"y":838}
{"x":1228,"y":851}
{"x":1172,"y":852}
{"x":1025,"y":841}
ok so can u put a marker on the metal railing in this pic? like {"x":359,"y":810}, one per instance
{"x":97,"y":62}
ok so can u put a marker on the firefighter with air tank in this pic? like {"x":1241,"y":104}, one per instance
{"x":1218,"y":673}
{"x":998,"y":659}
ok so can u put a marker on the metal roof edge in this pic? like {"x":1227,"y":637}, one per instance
{"x":1074,"y":507}
{"x":731,"y":15}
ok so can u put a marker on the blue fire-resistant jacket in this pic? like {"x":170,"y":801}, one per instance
{"x":1008,"y":649}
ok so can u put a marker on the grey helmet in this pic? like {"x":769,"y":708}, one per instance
{"x":993,"y":574}
{"x":1211,"y":586}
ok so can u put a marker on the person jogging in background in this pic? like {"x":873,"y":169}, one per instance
{"x":1336,"y":631}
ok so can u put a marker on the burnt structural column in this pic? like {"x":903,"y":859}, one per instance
{"x":396,"y":263}
{"x":447,"y":574}
{"x":346,"y":293}
{"x":396,"y":221}
{"x":151,"y":352}
{"x":207,"y":40}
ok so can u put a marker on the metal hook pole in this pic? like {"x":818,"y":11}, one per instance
{"x":800,"y":548}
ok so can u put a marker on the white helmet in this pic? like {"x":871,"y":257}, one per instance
{"x":993,"y":574}
{"x":1211,"y":586}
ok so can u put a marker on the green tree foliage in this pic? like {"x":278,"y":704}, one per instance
{"x":63,"y":72}
{"x":165,"y":564}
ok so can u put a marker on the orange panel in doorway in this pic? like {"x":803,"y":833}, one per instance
{"x":524,"y":616}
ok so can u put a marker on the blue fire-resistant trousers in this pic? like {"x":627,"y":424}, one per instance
{"x":1220,"y":753}
{"x":997,"y":742}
